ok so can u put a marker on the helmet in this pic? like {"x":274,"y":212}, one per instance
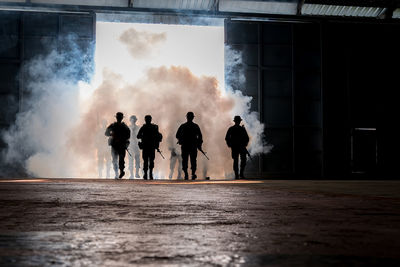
{"x":190,"y":115}
{"x":237,"y":118}
{"x":119,"y":115}
{"x":133,"y":118}
{"x":147,"y":118}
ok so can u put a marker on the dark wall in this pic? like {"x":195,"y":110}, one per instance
{"x":326,"y":92}
{"x":26,"y":35}
{"x":282,"y":65}
{"x":361,"y":68}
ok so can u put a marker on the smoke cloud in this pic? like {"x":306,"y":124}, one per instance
{"x":142,"y":44}
{"x":55,"y":136}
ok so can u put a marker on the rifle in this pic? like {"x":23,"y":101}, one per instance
{"x":158,"y":150}
{"x":247,"y":152}
{"x":204,"y":153}
{"x":127,"y":150}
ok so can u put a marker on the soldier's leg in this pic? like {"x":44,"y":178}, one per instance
{"x":185,"y":157}
{"x":131,"y":165}
{"x":145,"y":158}
{"x":121,"y":154}
{"x":137,"y":163}
{"x":114,"y":156}
{"x":242,"y":163}
{"x":193,"y":162}
{"x":235,"y":157}
{"x":172,"y":163}
{"x":152,"y":155}
{"x":179,"y":167}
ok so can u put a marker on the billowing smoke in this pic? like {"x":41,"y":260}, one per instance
{"x":51,"y":108}
{"x":141,"y":44}
{"x":58,"y":133}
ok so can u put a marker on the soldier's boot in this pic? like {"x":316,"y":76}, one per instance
{"x":170,"y":174}
{"x":179,"y":175}
{"x":145,"y":174}
{"x":186,"y":174}
{"x":194,"y":176}
{"x":116,"y":172}
{"x":151,"y":174}
{"x":137,"y":173}
{"x":235,"y":169}
{"x":121,"y":174}
{"x":242,"y":173}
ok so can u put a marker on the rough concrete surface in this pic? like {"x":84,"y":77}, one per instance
{"x":59,"y":222}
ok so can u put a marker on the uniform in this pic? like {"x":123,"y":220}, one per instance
{"x":190,"y":138}
{"x":237,"y":139}
{"x":150,"y":140}
{"x":134,"y":161}
{"x":120,"y":134}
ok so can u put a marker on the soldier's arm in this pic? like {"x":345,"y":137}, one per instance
{"x":140,"y":133}
{"x":108,"y":131}
{"x":128,"y":132}
{"x":228,"y":137}
{"x":179,"y":133}
{"x":246,"y":136}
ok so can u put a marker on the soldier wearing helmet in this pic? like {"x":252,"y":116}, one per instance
{"x":190,"y":138}
{"x":134,"y":160}
{"x":237,"y":139}
{"x":150,"y":141}
{"x":119,"y":134}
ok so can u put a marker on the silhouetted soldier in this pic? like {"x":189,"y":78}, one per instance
{"x":175,"y":157}
{"x":103,"y":153}
{"x":134,"y":147}
{"x":119,"y":141}
{"x":190,"y":138}
{"x":238,"y":139}
{"x":150,"y":141}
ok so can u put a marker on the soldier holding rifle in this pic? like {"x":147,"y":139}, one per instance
{"x":119,"y":134}
{"x":150,"y":142}
{"x":190,"y":138}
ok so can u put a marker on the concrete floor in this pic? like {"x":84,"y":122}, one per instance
{"x":50,"y":222}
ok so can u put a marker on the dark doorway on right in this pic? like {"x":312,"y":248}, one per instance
{"x":326,"y":91}
{"x":360,"y":84}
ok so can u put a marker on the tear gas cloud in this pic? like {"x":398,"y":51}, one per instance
{"x":141,"y":69}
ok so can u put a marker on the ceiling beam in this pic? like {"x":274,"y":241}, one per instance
{"x":367,"y":3}
{"x":33,"y":7}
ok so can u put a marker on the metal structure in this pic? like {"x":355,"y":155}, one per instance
{"x":386,"y":9}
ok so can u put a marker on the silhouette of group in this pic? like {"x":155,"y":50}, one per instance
{"x":189,"y":136}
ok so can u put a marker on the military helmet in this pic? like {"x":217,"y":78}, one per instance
{"x":237,"y":118}
{"x":147,"y":118}
{"x":133,"y":118}
{"x":119,"y":115}
{"x":190,"y":115}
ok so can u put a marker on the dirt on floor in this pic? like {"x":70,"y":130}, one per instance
{"x":75,"y":222}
